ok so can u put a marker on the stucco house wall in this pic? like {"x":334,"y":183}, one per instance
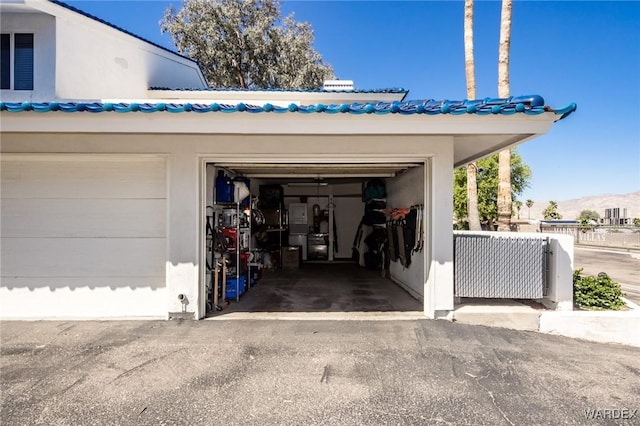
{"x":98,"y":62}
{"x":77,"y":57}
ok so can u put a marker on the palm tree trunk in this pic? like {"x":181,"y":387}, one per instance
{"x":472,"y":198}
{"x":469,"y":66}
{"x":504,"y":190}
{"x":469,"y":62}
{"x":505,"y":45}
{"x":504,"y":158}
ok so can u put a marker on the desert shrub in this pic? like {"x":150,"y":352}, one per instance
{"x":596,"y":293}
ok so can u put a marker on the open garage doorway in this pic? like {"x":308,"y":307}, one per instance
{"x":309,"y":236}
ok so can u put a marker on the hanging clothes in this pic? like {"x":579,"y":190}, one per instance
{"x":374,"y":217}
{"x":409,"y":228}
{"x":396,"y":214}
{"x":403,"y":256}
{"x":375,"y":242}
{"x":392,"y":241}
{"x":359,"y":243}
{"x":405,"y":233}
{"x":419,"y":229}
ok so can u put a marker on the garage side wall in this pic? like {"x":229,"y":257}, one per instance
{"x":402,"y":192}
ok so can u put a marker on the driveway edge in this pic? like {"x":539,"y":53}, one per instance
{"x":599,"y":326}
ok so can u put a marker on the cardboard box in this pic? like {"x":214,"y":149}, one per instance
{"x":291,"y":257}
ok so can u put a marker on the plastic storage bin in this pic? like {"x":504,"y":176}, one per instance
{"x":224,"y":188}
{"x":235,"y":287}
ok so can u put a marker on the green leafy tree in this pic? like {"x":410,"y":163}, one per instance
{"x":551,"y":211}
{"x":588,"y":217}
{"x":487,"y":188}
{"x":636,"y":221}
{"x":246,"y":44}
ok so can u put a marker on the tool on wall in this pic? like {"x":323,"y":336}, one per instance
{"x":419,"y":228}
{"x":224,"y":279}
{"x":215,"y":285}
{"x":215,"y":261}
{"x":217,"y":305}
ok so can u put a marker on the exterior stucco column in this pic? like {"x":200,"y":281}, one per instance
{"x":182,"y":233}
{"x":439,"y":285}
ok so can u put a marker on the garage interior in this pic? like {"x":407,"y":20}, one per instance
{"x":314,"y":237}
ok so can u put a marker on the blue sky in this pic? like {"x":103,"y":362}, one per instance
{"x":567,"y":51}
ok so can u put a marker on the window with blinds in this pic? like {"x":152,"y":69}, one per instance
{"x":5,"y":62}
{"x":22,"y":54}
{"x":23,"y":62}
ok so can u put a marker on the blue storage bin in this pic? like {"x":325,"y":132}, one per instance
{"x":224,"y":188}
{"x":233,"y":291}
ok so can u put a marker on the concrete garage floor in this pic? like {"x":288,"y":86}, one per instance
{"x":324,"y":288}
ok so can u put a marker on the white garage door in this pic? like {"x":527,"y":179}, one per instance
{"x":83,"y":236}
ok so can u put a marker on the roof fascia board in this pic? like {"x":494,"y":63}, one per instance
{"x":507,"y":143}
{"x":274,"y":97}
{"x":266,"y":123}
{"x":11,"y":5}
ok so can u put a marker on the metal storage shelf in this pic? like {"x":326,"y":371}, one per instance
{"x":241,"y":245}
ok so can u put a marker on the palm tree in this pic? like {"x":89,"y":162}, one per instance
{"x":529,"y":205}
{"x":504,"y":158}
{"x":469,"y":65}
{"x":518,"y":205}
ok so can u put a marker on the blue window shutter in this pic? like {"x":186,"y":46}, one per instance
{"x":5,"y":61}
{"x":23,"y":62}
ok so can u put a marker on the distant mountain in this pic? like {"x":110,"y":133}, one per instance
{"x":570,"y":209}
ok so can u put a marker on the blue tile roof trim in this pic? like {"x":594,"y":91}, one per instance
{"x":530,"y":105}
{"x":109,"y":24}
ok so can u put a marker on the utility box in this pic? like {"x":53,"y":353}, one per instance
{"x":291,"y":257}
{"x":318,"y":246}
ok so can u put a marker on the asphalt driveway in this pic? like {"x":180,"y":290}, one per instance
{"x":308,"y":373}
